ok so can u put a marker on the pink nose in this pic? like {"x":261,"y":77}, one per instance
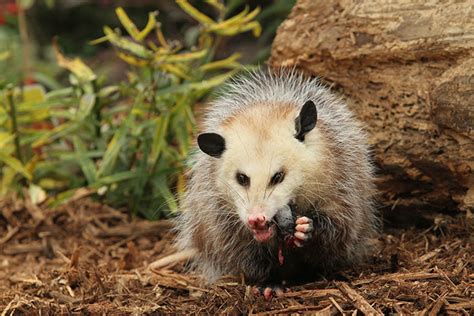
{"x":258,"y":221}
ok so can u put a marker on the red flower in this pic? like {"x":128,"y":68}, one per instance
{"x":29,"y":80}
{"x":12,"y":8}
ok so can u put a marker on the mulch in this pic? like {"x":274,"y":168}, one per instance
{"x":87,"y":258}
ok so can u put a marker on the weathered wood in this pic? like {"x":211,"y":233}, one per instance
{"x":407,"y":70}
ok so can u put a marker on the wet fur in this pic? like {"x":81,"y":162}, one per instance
{"x":335,"y":187}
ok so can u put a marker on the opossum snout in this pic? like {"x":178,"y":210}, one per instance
{"x":263,"y":229}
{"x":258,"y":221}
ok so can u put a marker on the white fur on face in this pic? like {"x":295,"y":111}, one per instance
{"x":259,"y":143}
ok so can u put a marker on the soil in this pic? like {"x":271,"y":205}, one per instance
{"x":87,"y":258}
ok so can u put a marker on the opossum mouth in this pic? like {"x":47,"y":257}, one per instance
{"x":265,"y":234}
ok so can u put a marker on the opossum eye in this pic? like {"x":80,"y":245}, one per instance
{"x":306,"y":121}
{"x":277,"y":178}
{"x":242,"y":179}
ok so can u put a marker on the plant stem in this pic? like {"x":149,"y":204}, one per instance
{"x":13,"y":117}
{"x":97,"y":111}
{"x":25,"y":43}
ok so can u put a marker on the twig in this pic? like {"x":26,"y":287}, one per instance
{"x":314,"y":293}
{"x":18,"y":279}
{"x":23,"y":248}
{"x":9,"y":235}
{"x":333,"y":301}
{"x":411,"y":276}
{"x":9,"y":306}
{"x":460,"y":306}
{"x":437,"y":306}
{"x":357,"y":300}
{"x":445,"y":276}
{"x":74,"y":261}
{"x":428,"y":255}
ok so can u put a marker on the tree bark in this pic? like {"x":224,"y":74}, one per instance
{"x":407,"y":70}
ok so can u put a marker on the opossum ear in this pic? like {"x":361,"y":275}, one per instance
{"x":212,"y":144}
{"x":306,"y":121}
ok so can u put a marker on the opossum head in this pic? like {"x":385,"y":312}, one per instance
{"x":263,"y":155}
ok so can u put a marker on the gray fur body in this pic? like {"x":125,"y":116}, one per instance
{"x":344,"y":219}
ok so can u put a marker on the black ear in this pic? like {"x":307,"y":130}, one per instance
{"x":306,"y":121}
{"x":212,"y":144}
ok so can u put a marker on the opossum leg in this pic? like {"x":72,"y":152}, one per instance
{"x":269,"y":291}
{"x":303,"y":230}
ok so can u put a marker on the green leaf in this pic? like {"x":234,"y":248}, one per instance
{"x":159,"y":139}
{"x":216,"y":4}
{"x":5,"y":55}
{"x":5,"y":138}
{"x":142,"y":175}
{"x":26,"y":4}
{"x":34,"y":93}
{"x":132,"y":28}
{"x":192,"y":11}
{"x":60,"y":94}
{"x":183,"y":57}
{"x":114,"y":178}
{"x":229,"y":62}
{"x":107,"y":92}
{"x":213,"y":82}
{"x":167,"y":194}
{"x":54,"y":134}
{"x":86,"y":164}
{"x":16,"y":165}
{"x":85,"y":106}
{"x":127,"y":23}
{"x":113,"y":150}
{"x":68,"y":195}
{"x":75,"y":66}
{"x":37,"y":194}
{"x":126,"y":44}
{"x":151,"y":24}
{"x":8,"y":175}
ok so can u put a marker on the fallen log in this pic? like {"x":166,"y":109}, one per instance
{"x":407,"y":70}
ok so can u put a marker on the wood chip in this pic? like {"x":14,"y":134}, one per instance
{"x":316,"y":310}
{"x":136,"y":229}
{"x":357,"y":300}
{"x":438,"y":305}
{"x":461,"y":306}
{"x":65,"y":299}
{"x":428,"y":255}
{"x":10,"y":233}
{"x":333,"y":301}
{"x":410,"y":276}
{"x":16,"y":249}
{"x":314,"y":293}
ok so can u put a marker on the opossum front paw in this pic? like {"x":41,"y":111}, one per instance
{"x":268,"y":292}
{"x":304,"y":230}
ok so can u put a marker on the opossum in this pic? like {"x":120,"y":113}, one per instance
{"x":281,"y":185}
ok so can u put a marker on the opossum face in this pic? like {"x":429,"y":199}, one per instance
{"x":263,"y":156}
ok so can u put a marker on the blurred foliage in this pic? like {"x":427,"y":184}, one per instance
{"x":66,"y":18}
{"x":125,"y":143}
{"x":13,"y":52}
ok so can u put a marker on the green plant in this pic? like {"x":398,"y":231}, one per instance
{"x":125,"y":143}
